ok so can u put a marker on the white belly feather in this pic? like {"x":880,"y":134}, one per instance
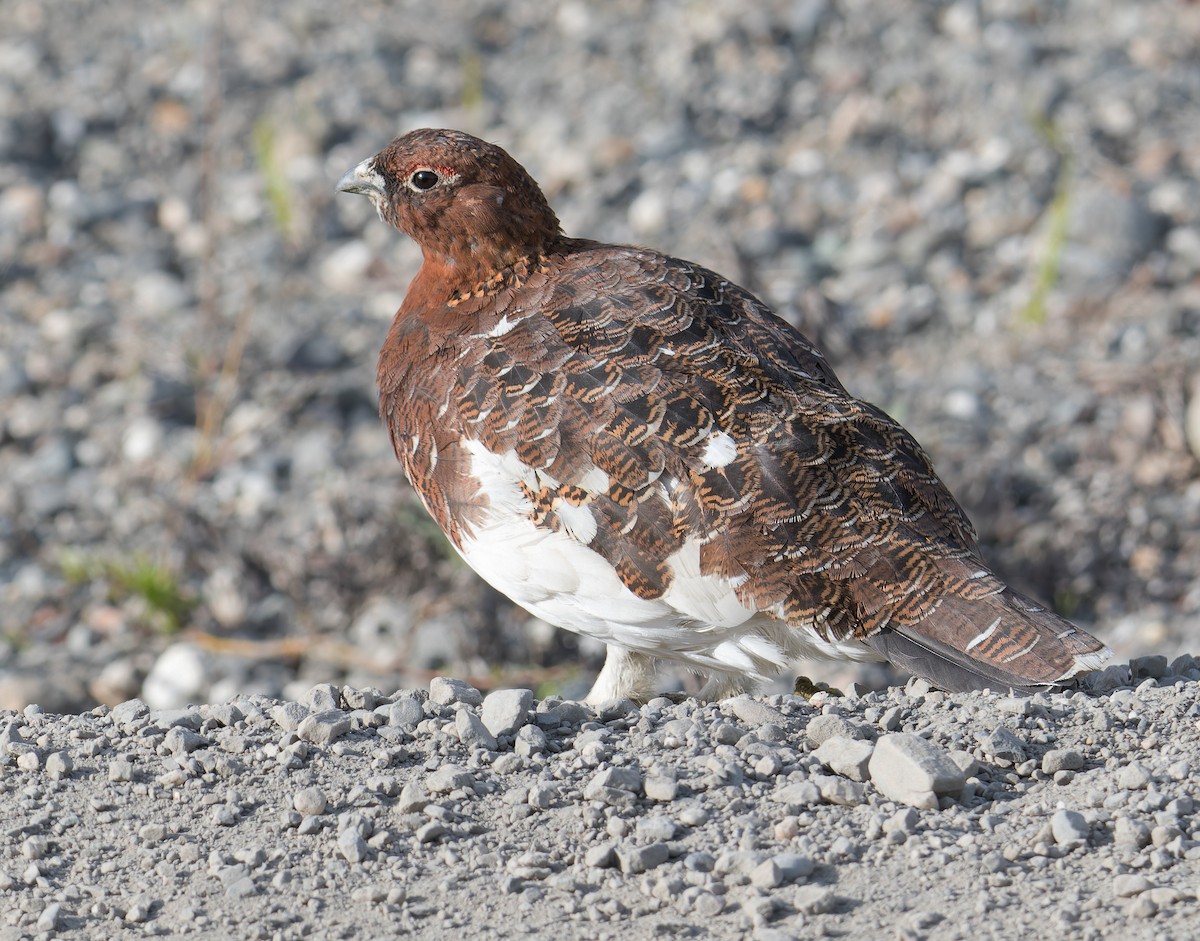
{"x":699,"y":621}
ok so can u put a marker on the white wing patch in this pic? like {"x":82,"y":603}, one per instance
{"x":720,"y":450}
{"x":503,"y":325}
{"x":595,"y":481}
{"x":578,"y":521}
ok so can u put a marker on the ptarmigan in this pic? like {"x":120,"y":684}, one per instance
{"x":632,"y":447}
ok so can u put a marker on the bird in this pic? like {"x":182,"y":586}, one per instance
{"x":632,"y":447}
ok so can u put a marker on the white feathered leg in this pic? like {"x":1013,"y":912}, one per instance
{"x":626,"y":675}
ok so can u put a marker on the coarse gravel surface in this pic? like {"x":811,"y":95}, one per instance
{"x":198,"y":504}
{"x":442,"y":813}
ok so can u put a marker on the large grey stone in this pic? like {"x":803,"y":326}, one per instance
{"x":907,"y":768}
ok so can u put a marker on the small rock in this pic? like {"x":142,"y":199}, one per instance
{"x":413,"y":798}
{"x":1003,"y":744}
{"x":823,"y":727}
{"x":405,"y":712}
{"x":542,"y":795}
{"x":1069,"y":827}
{"x":324,"y":697}
{"x":59,"y":764}
{"x":182,"y":741}
{"x":446,"y":691}
{"x":472,"y":732}
{"x":1130,"y":832}
{"x":431,"y":832}
{"x":530,"y":741}
{"x":814,"y":899}
{"x":120,"y":770}
{"x":656,"y":827}
{"x":752,"y":712}
{"x":1133,"y":777}
{"x":838,"y":790}
{"x":506,"y":710}
{"x":1130,"y":884}
{"x":129,"y":714}
{"x":448,"y":778}
{"x":289,"y":715}
{"x":324,"y":728}
{"x":767,"y":875}
{"x":635,"y":859}
{"x":909,"y":769}
{"x":797,"y":796}
{"x":310,"y":801}
{"x":793,"y":866}
{"x":849,"y":757}
{"x":1061,"y":759}
{"x":1154,"y":666}
{"x":661,"y":788}
{"x":48,"y":919}
{"x":600,"y":857}
{"x":352,"y":846}
{"x":618,"y":786}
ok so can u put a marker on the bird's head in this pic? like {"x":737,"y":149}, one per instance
{"x":466,"y":202}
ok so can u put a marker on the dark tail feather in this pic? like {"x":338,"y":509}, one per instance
{"x":1002,"y":642}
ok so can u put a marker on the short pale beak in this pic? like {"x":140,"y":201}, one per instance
{"x":364,"y":179}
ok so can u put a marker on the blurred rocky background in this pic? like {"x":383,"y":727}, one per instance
{"x":196,"y":496}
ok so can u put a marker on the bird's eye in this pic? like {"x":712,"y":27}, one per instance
{"x":424,"y":180}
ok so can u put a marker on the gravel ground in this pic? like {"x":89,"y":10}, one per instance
{"x":908,"y":814}
{"x":199,"y":505}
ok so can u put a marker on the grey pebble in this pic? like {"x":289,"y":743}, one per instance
{"x":1004,"y":744}
{"x":448,"y":778}
{"x":635,"y":859}
{"x":405,"y":712}
{"x":120,"y":769}
{"x":1069,"y":827}
{"x":619,"y":786}
{"x":181,"y":740}
{"x":1061,"y":759}
{"x":839,"y":790}
{"x":601,"y":856}
{"x":815,"y":899}
{"x":48,"y":919}
{"x":289,"y":715}
{"x":506,"y":710}
{"x":849,"y":757}
{"x":472,"y":732}
{"x":129,"y":714}
{"x":796,"y":796}
{"x":542,"y":795}
{"x":530,"y":741}
{"x":431,"y":832}
{"x":324,"y":728}
{"x":752,"y":712}
{"x":446,"y":691}
{"x":1134,"y":777}
{"x":310,"y":801}
{"x":909,"y":769}
{"x":656,"y":827}
{"x":660,"y":787}
{"x":823,"y":727}
{"x":353,"y":846}
{"x":1128,"y":885}
{"x":1130,"y":832}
